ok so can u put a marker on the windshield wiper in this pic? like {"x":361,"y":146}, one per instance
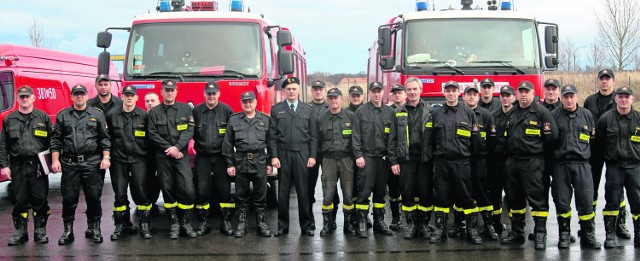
{"x":160,"y":75}
{"x":504,"y":63}
{"x":225,"y":75}
{"x":442,"y":65}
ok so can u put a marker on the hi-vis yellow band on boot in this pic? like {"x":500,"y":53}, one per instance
{"x":347,"y":207}
{"x":486,"y":208}
{"x":362,"y":207}
{"x":610,"y":212}
{"x":517,"y":211}
{"x":144,"y":208}
{"x":456,"y":208}
{"x":171,"y":205}
{"x":205,"y":207}
{"x":587,"y":217}
{"x":470,"y":211}
{"x":183,"y":206}
{"x":439,"y":209}
{"x":330,"y":207}
{"x":120,"y":208}
{"x":564,"y":215}
{"x":409,"y":208}
{"x":227,"y":205}
{"x":378,"y":205}
{"x":24,"y":215}
{"x":425,"y":209}
{"x":35,"y":214}
{"x":539,"y":213}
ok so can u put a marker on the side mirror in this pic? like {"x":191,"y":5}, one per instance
{"x":384,"y":41}
{"x":551,"y":61}
{"x":284,"y":38}
{"x":387,"y":63}
{"x":104,"y":39}
{"x":285,"y":62}
{"x":551,"y":39}
{"x":104,"y":60}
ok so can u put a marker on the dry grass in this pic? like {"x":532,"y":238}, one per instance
{"x":586,"y":83}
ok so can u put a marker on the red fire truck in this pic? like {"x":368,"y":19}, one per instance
{"x":50,"y":73}
{"x":465,"y":46}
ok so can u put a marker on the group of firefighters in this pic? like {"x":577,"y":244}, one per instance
{"x":457,"y":158}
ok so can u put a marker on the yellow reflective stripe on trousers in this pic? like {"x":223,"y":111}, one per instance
{"x":170,"y":205}
{"x":120,"y":208}
{"x":330,"y":207}
{"x":425,"y":209}
{"x":362,"y":207}
{"x":610,"y":213}
{"x":35,"y":214}
{"x":24,"y":215}
{"x":205,"y":207}
{"x":517,"y":211}
{"x":144,"y":208}
{"x":439,"y":209}
{"x":470,"y":211}
{"x":456,"y":208}
{"x":347,"y":207}
{"x":409,"y":209}
{"x":183,"y":206}
{"x":497,"y":212}
{"x":587,"y":217}
{"x":635,"y":217}
{"x":595,"y":202}
{"x":486,"y":208}
{"x":623,"y":203}
{"x":227,"y":205}
{"x":378,"y":205}
{"x":565,"y":215}
{"x":539,"y":213}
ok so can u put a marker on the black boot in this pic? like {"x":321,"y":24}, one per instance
{"x":40,"y":228}
{"x":204,"y":227}
{"x":472,"y":229}
{"x":349,"y":224}
{"x":185,"y":224}
{"x":145,"y":229}
{"x":636,"y":232}
{"x":588,"y":234}
{"x":96,"y":234}
{"x":540,"y":231}
{"x":489,"y":229}
{"x":498,"y":225}
{"x":174,"y":232}
{"x":67,"y":235}
{"x":459,"y":225}
{"x":564,"y":225}
{"x":610,"y":231}
{"x":396,"y":223}
{"x":332,"y":219}
{"x":129,"y":228}
{"x":440,"y":231}
{"x":21,"y":235}
{"x":261,"y":220}
{"x":412,"y":227}
{"x":225,"y":225}
{"x":621,"y":224}
{"x":326,"y":223}
{"x":363,"y":232}
{"x":379,"y":226}
{"x":516,"y":236}
{"x":425,"y":228}
{"x":241,"y":230}
{"x":119,"y":225}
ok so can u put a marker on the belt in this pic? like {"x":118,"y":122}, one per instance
{"x":74,"y":158}
{"x":250,"y":155}
{"x":25,"y":161}
{"x":336,"y":155}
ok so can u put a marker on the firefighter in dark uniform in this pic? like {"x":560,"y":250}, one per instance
{"x":571,"y":170}
{"x":479,"y":169}
{"x":293,"y":145}
{"x":80,"y":149}
{"x":487,"y":101}
{"x":399,"y":95}
{"x":248,"y":133}
{"x":211,"y":119}
{"x":618,"y":139}
{"x":454,"y":136}
{"x":411,"y":157}
{"x":334,"y":141}
{"x":128,"y":132}
{"x":355,"y":98}
{"x":498,"y":155}
{"x":530,"y":130}
{"x":25,"y":133}
{"x":151,"y":100}
{"x":599,"y":103}
{"x":371,"y":129}
{"x":170,"y":129}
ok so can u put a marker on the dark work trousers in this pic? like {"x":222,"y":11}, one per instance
{"x":313,"y":181}
{"x":332,"y":170}
{"x":87,"y":176}
{"x":211,"y":177}
{"x":452,"y":180}
{"x":597,"y":163}
{"x":497,"y":174}
{"x":373,"y":179}
{"x":259,"y":190}
{"x":133,"y":175}
{"x":153,"y":185}
{"x":616,"y":180}
{"x":525,"y":183}
{"x":176,"y":180}
{"x":394,"y":185}
{"x":480,"y":183}
{"x":293,"y":171}
{"x":569,"y":178}
{"x":416,"y":179}
{"x":29,"y":187}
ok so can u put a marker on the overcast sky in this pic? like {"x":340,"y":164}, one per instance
{"x":335,"y":33}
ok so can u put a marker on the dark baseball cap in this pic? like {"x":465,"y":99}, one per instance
{"x":334,"y":92}
{"x":375,"y":85}
{"x":606,"y":72}
{"x":451,"y":83}
{"x":569,"y":89}
{"x":130,"y":89}
{"x":624,"y":90}
{"x":525,"y":85}
{"x":25,"y":90}
{"x":507,"y":89}
{"x":168,"y":84}
{"x":248,"y":95}
{"x":317,"y":84}
{"x":355,"y":90}
{"x":487,"y":81}
{"x":211,"y":87}
{"x":78,"y":88}
{"x":397,"y":87}
{"x":102,"y":77}
{"x":551,"y":82}
{"x":290,"y":80}
{"x":471,"y":88}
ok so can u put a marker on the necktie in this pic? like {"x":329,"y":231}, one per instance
{"x":293,"y":108}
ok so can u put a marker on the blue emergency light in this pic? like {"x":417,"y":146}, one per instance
{"x":505,"y":5}
{"x":164,"y":6}
{"x":236,"y":6}
{"x":422,"y":5}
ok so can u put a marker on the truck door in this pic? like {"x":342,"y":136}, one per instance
{"x":6,"y":92}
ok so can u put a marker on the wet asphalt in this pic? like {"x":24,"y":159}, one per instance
{"x":336,"y":246}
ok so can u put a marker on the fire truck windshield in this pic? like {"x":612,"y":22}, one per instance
{"x":198,"y":49}
{"x":471,"y":43}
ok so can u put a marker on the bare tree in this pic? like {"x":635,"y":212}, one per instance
{"x":596,"y":57}
{"x":619,"y":29}
{"x":566,"y":55}
{"x":36,"y":35}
